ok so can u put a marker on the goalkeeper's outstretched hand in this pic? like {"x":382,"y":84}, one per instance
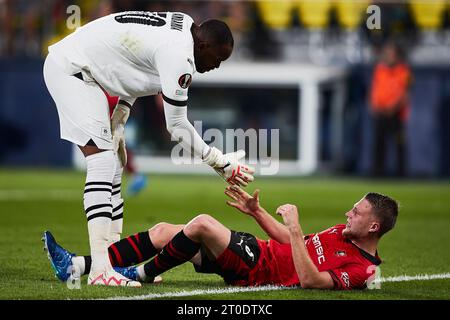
{"x":229,"y":168}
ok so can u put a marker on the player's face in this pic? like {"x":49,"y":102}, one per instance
{"x":209,"y":57}
{"x":360,"y":220}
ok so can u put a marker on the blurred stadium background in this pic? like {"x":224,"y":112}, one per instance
{"x":325,"y":46}
{"x":304,"y":67}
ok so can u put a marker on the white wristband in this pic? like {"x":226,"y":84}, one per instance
{"x":213,"y":156}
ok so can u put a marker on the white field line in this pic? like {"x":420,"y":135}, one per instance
{"x":184,"y":293}
{"x":200,"y":292}
{"x":32,"y":195}
{"x":420,"y":277}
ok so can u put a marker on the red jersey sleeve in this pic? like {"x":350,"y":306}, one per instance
{"x":352,"y":276}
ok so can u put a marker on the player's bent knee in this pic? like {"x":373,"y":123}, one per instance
{"x":159,"y":229}
{"x":200,"y":225}
{"x":204,"y":218}
{"x":161,"y":233}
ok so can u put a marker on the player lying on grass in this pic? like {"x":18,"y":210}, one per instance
{"x":341,"y":257}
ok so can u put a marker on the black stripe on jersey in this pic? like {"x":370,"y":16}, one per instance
{"x":175,"y":102}
{"x":115,"y":192}
{"x":125,"y":103}
{"x":98,"y":206}
{"x":100,"y":214}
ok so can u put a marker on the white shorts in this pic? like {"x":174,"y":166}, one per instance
{"x":82,"y":107}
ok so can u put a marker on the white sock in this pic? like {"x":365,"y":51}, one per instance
{"x":116,"y":231}
{"x":79,"y":264}
{"x":98,"y":240}
{"x":98,"y":207}
{"x":117,"y":203}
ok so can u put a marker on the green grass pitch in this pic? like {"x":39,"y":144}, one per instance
{"x":32,"y":201}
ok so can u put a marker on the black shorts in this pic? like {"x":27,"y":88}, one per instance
{"x":235,"y":263}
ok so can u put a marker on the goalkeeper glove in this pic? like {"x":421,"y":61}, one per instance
{"x":118,"y":119}
{"x":228,"y":166}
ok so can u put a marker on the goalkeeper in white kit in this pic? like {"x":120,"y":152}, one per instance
{"x":130,"y":55}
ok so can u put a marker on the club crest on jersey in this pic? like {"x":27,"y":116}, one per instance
{"x":185,"y":80}
{"x":340,"y":253}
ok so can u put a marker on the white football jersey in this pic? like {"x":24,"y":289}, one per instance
{"x":133,"y":54}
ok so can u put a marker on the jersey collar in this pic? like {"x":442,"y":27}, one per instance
{"x":374,"y":259}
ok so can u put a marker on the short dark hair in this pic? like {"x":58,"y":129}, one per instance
{"x":217,"y":32}
{"x":385,"y":209}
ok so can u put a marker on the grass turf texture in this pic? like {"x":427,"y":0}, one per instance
{"x":34,"y":201}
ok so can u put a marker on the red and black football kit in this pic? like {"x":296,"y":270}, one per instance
{"x":249,"y":261}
